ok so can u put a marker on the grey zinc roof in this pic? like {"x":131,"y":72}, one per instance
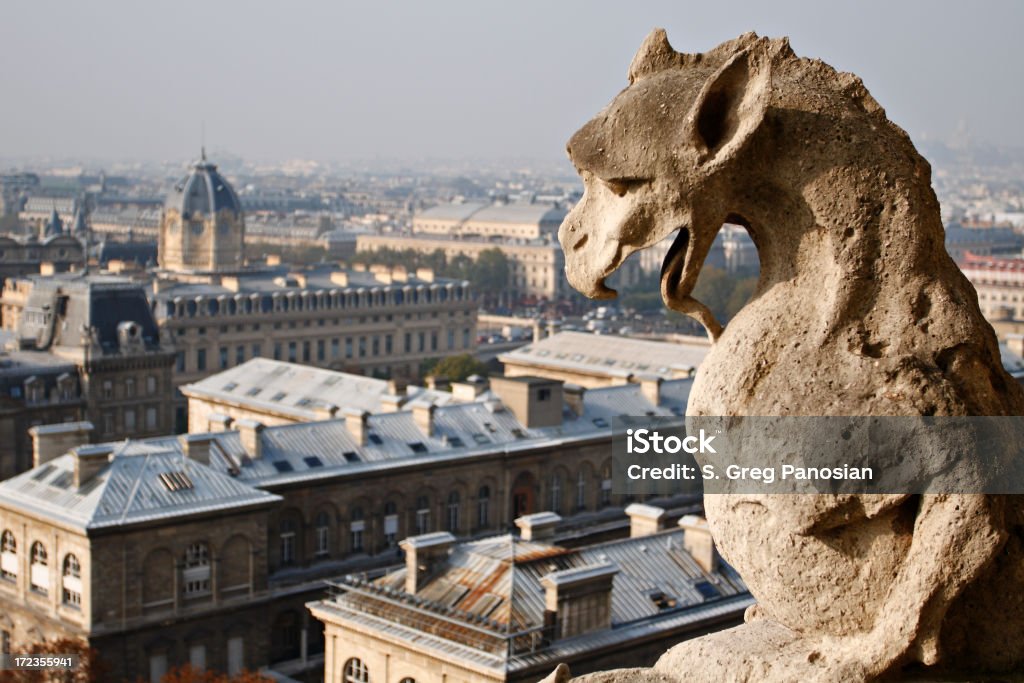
{"x":519,"y":213}
{"x":128,"y":490}
{"x":495,"y":585}
{"x":610,"y":355}
{"x":204,"y":191}
{"x":451,"y":212}
{"x":314,"y":450}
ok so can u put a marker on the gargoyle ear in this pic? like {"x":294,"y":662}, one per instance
{"x":731,"y":105}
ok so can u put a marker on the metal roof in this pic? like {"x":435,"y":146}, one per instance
{"x":610,"y":355}
{"x":134,"y":486}
{"x":491,"y":592}
{"x":298,"y":390}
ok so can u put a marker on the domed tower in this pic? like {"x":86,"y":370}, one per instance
{"x":203,"y":228}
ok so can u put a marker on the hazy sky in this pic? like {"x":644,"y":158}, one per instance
{"x":342,"y":80}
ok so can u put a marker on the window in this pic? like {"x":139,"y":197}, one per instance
{"x":453,"y":512}
{"x":151,"y":384}
{"x":179,"y":361}
{"x":129,"y":387}
{"x":556,"y":493}
{"x":335,"y":347}
{"x":483,"y":504}
{"x":39,"y":577}
{"x":356,"y":529}
{"x":108,"y":389}
{"x":606,"y":485}
{"x":8,"y":557}
{"x":200,"y":359}
{"x":157,"y":666}
{"x":71,"y":582}
{"x":277,"y":351}
{"x":236,"y":655}
{"x":197,"y":656}
{"x":287,"y":541}
{"x":223,"y":357}
{"x":239,"y":354}
{"x":581,"y":491}
{"x":422,"y":515}
{"x":323,"y":531}
{"x":356,"y":672}
{"x":293,"y":352}
{"x":129,"y":419}
{"x":196,"y":575}
{"x":321,"y":350}
{"x":390,"y":524}
{"x":305,"y":350}
{"x":151,"y":419}
{"x":257,"y":350}
{"x":5,"y":642}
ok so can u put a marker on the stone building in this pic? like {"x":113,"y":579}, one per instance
{"x":510,"y":608}
{"x":520,"y":220}
{"x":81,"y":347}
{"x":276,"y":392}
{"x":57,"y":253}
{"x":204,"y":548}
{"x":999,"y":281}
{"x":591,"y":360}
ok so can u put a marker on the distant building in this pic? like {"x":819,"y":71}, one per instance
{"x":981,"y":241}
{"x":732,"y":251}
{"x":81,"y":347}
{"x":510,"y":608}
{"x":27,"y":255}
{"x":204,"y":548}
{"x":591,"y":360}
{"x":999,"y":281}
{"x":506,"y":220}
{"x":275,"y":392}
{"x":537,"y":267}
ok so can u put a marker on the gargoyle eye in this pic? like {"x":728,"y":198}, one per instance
{"x":622,"y":186}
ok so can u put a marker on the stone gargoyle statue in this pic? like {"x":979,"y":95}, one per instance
{"x":859,"y":310}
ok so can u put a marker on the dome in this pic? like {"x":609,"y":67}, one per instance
{"x":204,"y":192}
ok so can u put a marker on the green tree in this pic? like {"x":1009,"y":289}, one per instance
{"x":490,"y":272}
{"x":456,"y":368}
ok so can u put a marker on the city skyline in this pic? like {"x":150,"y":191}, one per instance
{"x":446,"y":80}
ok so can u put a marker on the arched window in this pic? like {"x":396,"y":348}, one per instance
{"x":356,"y":671}
{"x":422,"y":515}
{"x":8,"y":556}
{"x":556,"y":493}
{"x":581,"y":491}
{"x":453,"y":512}
{"x":71,"y":581}
{"x":606,"y":485}
{"x":39,"y":577}
{"x":196,"y":573}
{"x":483,"y":507}
{"x":407,"y":679}
{"x":390,"y":524}
{"x":356,"y":529}
{"x":323,"y":534}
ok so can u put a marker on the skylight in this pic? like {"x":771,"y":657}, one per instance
{"x":175,"y":480}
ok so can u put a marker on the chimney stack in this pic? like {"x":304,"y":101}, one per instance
{"x":424,"y":555}
{"x":578,"y":600}
{"x":53,"y":441}
{"x":650,"y":387}
{"x":644,"y":520}
{"x":573,"y":394}
{"x":218,"y":422}
{"x":249,"y":432}
{"x":89,"y":460}
{"x":355,"y":422}
{"x":197,"y":446}
{"x":423,"y":416}
{"x":698,"y":542}
{"x":469,"y":390}
{"x":535,"y":401}
{"x":540,"y":526}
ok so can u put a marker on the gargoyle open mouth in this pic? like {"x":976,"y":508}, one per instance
{"x":679,"y":273}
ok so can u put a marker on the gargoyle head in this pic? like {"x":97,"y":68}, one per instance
{"x":655,"y":160}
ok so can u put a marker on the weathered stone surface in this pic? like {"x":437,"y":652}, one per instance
{"x":859,"y":311}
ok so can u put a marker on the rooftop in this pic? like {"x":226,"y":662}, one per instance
{"x":610,"y":355}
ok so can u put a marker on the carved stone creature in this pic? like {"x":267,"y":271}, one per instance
{"x":859,"y":311}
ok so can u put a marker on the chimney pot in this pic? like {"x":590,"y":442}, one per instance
{"x":89,"y":460}
{"x":218,"y":422}
{"x":423,"y":416}
{"x":424,"y":555}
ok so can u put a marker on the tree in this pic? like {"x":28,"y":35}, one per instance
{"x":456,"y":368}
{"x":490,"y":273}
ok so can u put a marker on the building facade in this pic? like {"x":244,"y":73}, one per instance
{"x":82,"y":347}
{"x":204,"y":548}
{"x":999,"y":281}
